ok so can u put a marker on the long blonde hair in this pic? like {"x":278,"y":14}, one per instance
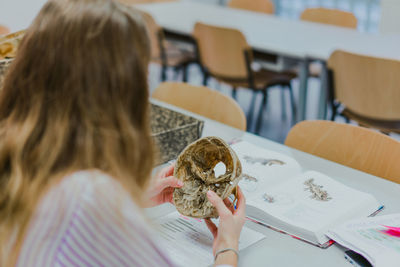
{"x":74,"y":98}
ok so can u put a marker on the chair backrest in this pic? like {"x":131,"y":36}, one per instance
{"x":222,"y":50}
{"x":356,"y":147}
{"x":203,"y":101}
{"x":330,"y":16}
{"x":367,"y":86}
{"x":264,"y":6}
{"x":4,"y":30}
{"x":155,"y":34}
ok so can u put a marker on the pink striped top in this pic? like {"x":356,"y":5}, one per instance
{"x":90,"y":220}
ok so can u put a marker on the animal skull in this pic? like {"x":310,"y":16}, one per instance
{"x":195,"y":167}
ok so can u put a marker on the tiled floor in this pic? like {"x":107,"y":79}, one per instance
{"x":275,"y":125}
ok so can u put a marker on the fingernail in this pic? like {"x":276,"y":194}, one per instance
{"x":210,"y":193}
{"x":180,"y":183}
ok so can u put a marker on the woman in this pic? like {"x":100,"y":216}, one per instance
{"x":76,"y":152}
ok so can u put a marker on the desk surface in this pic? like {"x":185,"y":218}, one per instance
{"x":268,"y":33}
{"x":281,"y":250}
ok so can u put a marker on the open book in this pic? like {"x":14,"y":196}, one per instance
{"x":304,"y":205}
{"x":370,"y":238}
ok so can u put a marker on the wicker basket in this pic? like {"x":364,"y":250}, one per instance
{"x":172,"y":132}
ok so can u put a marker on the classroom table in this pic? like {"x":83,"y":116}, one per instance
{"x":292,"y":41}
{"x":278,"y":249}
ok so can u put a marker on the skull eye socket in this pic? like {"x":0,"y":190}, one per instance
{"x":219,"y":169}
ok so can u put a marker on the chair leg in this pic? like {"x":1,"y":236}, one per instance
{"x":292,"y":103}
{"x":185,"y":73}
{"x":163,"y":73}
{"x":205,"y":79}
{"x":261,"y":111}
{"x":283,"y":103}
{"x":251,"y":110}
{"x":234,"y":93}
{"x":334,"y":111}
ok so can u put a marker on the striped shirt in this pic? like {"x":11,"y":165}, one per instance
{"x":90,"y":220}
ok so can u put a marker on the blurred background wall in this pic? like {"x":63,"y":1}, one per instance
{"x":18,"y":14}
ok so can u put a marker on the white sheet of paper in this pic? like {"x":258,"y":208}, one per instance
{"x":188,"y":241}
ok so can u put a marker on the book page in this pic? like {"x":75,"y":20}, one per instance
{"x":313,"y":201}
{"x":188,"y":241}
{"x":371,"y":239}
{"x":263,"y":168}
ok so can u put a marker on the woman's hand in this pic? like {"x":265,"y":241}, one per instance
{"x":162,"y":187}
{"x":231,"y":222}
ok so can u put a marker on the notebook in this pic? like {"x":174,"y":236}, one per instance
{"x":303,"y":204}
{"x":372,"y":238}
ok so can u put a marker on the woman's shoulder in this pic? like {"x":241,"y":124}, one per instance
{"x":89,"y":185}
{"x":95,"y":190}
{"x":88,"y":194}
{"x":90,"y":216}
{"x":88,"y":180}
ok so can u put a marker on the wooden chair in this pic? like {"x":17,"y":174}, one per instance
{"x":4,"y":30}
{"x":225,"y":55}
{"x":330,"y":16}
{"x":352,"y":146}
{"x":264,"y":6}
{"x":203,"y":101}
{"x":166,"y":53}
{"x":368,"y":89}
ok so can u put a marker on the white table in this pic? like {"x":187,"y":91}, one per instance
{"x":295,"y":40}
{"x":281,"y":250}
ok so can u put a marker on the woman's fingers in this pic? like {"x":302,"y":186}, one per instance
{"x":168,"y":171}
{"x":211,"y":226}
{"x":170,"y":181}
{"x":241,"y":203}
{"x":229,"y":204}
{"x":218,"y":203}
